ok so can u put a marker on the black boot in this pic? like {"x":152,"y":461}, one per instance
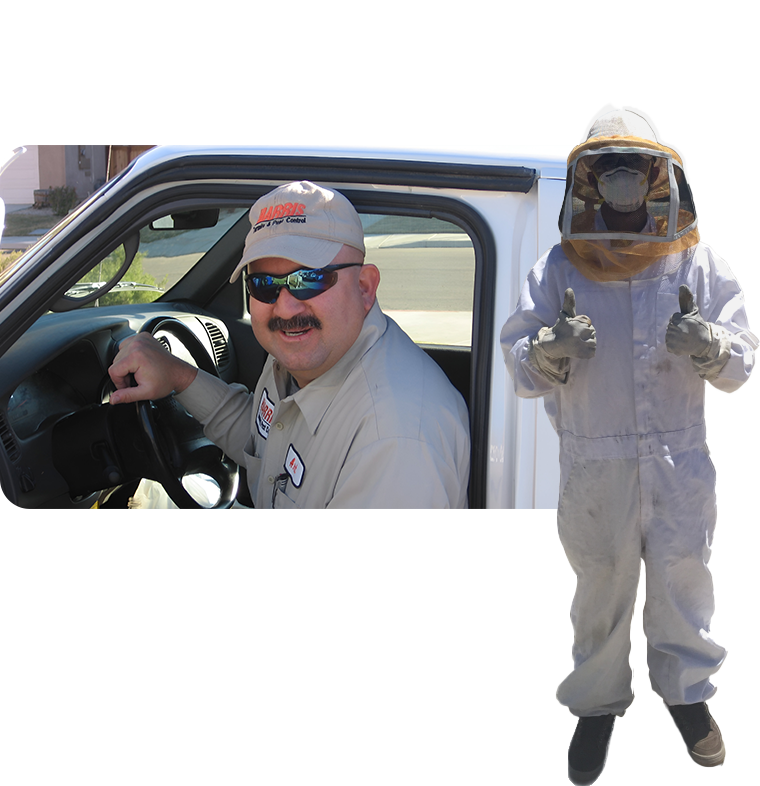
{"x":588,"y":749}
{"x":700,"y":732}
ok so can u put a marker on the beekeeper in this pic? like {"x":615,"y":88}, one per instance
{"x":619,"y":327}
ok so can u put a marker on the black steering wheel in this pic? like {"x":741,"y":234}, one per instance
{"x":175,"y":441}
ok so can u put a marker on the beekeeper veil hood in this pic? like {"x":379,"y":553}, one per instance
{"x":627,"y":201}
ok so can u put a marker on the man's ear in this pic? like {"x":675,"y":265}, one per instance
{"x":369,"y":280}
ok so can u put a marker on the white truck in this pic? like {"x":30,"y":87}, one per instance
{"x":454,"y":230}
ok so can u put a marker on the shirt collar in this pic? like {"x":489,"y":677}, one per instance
{"x":314,"y":399}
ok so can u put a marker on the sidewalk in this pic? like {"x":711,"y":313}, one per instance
{"x":11,"y":243}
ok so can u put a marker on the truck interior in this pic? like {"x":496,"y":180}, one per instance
{"x":173,"y":260}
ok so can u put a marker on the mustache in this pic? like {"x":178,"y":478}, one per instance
{"x":300,"y":322}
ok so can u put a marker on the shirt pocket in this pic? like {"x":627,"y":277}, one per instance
{"x":283,"y":502}
{"x":253,"y":471}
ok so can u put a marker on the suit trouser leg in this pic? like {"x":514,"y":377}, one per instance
{"x":679,"y":514}
{"x":599,"y":527}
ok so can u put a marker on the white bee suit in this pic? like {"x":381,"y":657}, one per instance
{"x":636,"y":480}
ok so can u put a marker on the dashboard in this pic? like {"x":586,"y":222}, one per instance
{"x":60,"y":367}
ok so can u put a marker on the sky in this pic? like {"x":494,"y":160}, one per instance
{"x":715,"y":140}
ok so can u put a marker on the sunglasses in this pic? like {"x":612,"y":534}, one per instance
{"x":613,"y":160}
{"x":303,"y":284}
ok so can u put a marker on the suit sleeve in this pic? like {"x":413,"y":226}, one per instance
{"x":721,"y":302}
{"x":533,"y":373}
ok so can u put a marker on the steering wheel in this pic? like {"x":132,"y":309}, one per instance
{"x":175,"y":441}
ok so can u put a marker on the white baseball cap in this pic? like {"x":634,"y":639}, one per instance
{"x":302,"y":222}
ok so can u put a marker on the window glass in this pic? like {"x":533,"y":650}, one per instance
{"x":168,"y":249}
{"x":427,"y":276}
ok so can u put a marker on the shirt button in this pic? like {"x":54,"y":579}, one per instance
{"x":278,"y":425}
{"x":270,"y":479}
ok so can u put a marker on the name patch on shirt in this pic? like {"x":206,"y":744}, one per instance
{"x":264,"y":415}
{"x":294,"y":466}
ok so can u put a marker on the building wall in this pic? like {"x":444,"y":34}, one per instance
{"x":82,"y":167}
{"x":52,"y":160}
{"x":86,"y":168}
{"x":19,"y":180}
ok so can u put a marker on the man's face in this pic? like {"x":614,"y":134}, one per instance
{"x":308,"y":337}
{"x":645,"y":164}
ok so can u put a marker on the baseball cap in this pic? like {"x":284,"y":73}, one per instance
{"x":303,"y":222}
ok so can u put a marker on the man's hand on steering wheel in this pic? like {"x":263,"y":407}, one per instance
{"x":145,"y":372}
{"x":156,"y":372}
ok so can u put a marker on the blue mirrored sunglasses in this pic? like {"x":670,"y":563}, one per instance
{"x":302,"y":284}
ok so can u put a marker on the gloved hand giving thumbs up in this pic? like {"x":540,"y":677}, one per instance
{"x":688,"y":333}
{"x":571,"y":336}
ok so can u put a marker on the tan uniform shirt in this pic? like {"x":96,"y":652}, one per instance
{"x":383,"y":428}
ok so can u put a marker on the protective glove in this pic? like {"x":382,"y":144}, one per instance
{"x":688,"y":333}
{"x":571,"y":336}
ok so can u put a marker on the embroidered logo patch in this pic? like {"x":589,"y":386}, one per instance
{"x":264,"y":415}
{"x":273,"y":216}
{"x":294,"y":466}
